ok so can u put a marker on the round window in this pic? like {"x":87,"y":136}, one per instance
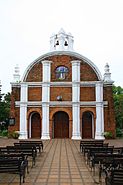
{"x":61,"y":72}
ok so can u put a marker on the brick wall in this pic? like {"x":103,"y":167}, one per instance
{"x":16,"y":127}
{"x":65,"y":92}
{"x":35,"y":74}
{"x":109,"y":117}
{"x":87,"y":73}
{"x":34,"y":94}
{"x":87,"y":94}
{"x":16,"y":93}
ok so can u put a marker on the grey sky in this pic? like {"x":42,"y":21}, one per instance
{"x":26,"y":26}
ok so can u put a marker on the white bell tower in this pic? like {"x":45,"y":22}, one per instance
{"x":61,"y":41}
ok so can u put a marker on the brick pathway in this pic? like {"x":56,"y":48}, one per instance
{"x":61,"y":163}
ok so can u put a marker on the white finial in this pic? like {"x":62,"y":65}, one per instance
{"x":107,"y":74}
{"x":16,"y":75}
{"x":61,"y":31}
{"x":106,"y":68}
{"x":61,"y":41}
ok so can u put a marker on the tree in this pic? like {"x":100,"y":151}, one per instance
{"x":118,"y":105}
{"x":5,"y":110}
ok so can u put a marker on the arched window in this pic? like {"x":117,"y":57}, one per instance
{"x":61,"y":72}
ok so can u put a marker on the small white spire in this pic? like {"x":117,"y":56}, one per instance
{"x":61,"y":41}
{"x":16,"y":75}
{"x":61,"y":31}
{"x":107,"y":74}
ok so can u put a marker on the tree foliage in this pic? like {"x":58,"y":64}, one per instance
{"x":4,"y":110}
{"x":118,"y":105}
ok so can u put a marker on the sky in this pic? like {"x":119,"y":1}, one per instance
{"x":26,"y":27}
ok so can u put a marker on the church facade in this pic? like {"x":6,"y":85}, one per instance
{"x":62,"y":95}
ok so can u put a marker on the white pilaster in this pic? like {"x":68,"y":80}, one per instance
{"x":45,"y":92}
{"x":46,"y":70}
{"x":46,"y":98}
{"x":76,"y":99}
{"x":23,"y":112}
{"x":75,"y":71}
{"x":99,"y":111}
{"x":45,"y":121}
{"x":76,"y":121}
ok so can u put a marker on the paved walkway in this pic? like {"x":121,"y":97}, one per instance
{"x":61,"y":163}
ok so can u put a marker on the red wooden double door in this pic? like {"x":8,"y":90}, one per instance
{"x":61,"y":125}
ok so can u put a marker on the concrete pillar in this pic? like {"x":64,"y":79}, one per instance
{"x":76,"y":99}
{"x":99,"y":111}
{"x":45,"y":121}
{"x":46,"y":98}
{"x":23,"y":111}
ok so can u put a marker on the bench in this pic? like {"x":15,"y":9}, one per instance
{"x":94,"y":145}
{"x":12,"y":165}
{"x":21,"y":156}
{"x":28,"y":146}
{"x":26,"y":150}
{"x":3,"y":150}
{"x":98,"y":150}
{"x":94,"y":142}
{"x":106,"y":161}
{"x":39,"y":144}
{"x":114,"y":177}
{"x":118,"y":150}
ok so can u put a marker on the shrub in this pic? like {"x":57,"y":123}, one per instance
{"x":14,"y":134}
{"x":108,"y":135}
{"x":5,"y":133}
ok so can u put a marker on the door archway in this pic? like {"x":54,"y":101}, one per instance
{"x":35,"y":125}
{"x":61,"y":125}
{"x":87,"y":127}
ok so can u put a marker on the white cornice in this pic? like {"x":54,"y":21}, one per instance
{"x":60,"y":103}
{"x":59,"y":83}
{"x":108,"y":83}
